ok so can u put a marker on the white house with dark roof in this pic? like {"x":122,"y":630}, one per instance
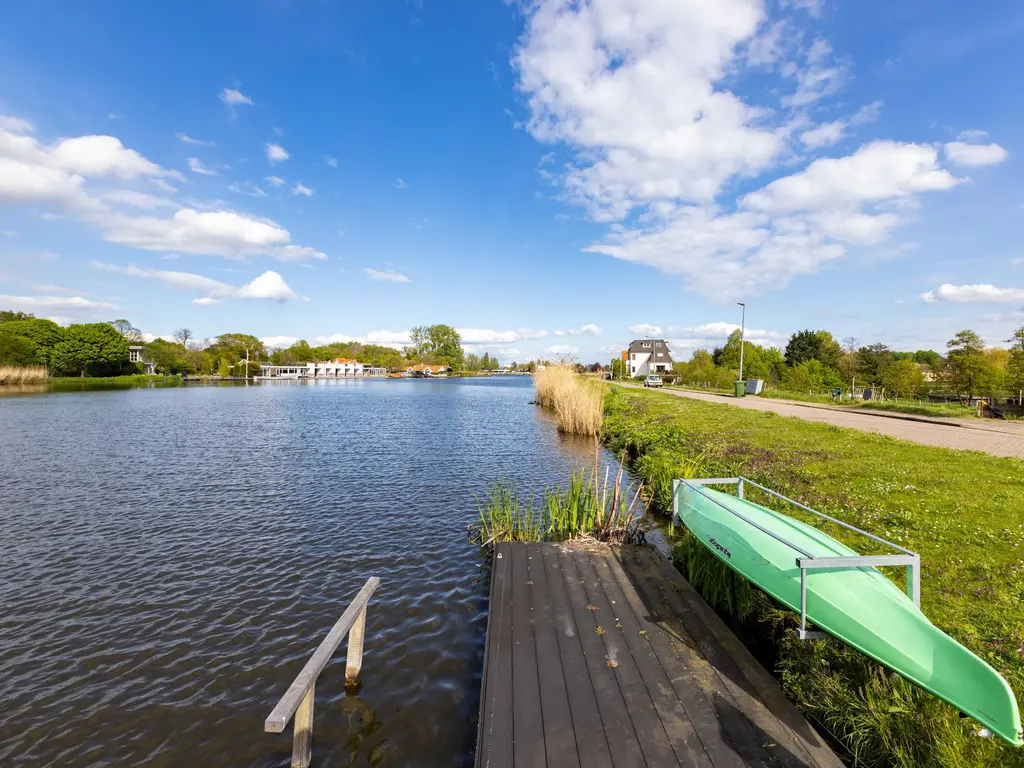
{"x":647,"y":356}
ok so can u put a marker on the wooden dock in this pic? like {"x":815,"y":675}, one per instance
{"x":604,"y":656}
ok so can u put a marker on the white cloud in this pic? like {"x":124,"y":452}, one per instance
{"x":234,"y":97}
{"x":15,"y":124}
{"x":972,"y":135}
{"x":22,"y":182}
{"x":587,"y":330}
{"x":274,"y":181}
{"x":218,"y":233}
{"x":185,"y":138}
{"x":278,"y":342}
{"x":643,"y":329}
{"x":276,"y":153}
{"x":972,"y":155}
{"x":65,"y":303}
{"x":824,"y":135}
{"x":196,"y":166}
{"x":100,"y":156}
{"x":527,"y":334}
{"x":304,"y":191}
{"x":297,"y":254}
{"x":818,"y":78}
{"x":331,"y":161}
{"x":400,"y":184}
{"x":715,"y":334}
{"x":982,"y":293}
{"x":182,"y":281}
{"x":562,"y":349}
{"x":483,"y":337}
{"x":246,"y":188}
{"x":163,"y":186}
{"x":137,"y":199}
{"x":270,"y":285}
{"x":868,"y":113}
{"x":386,"y":274}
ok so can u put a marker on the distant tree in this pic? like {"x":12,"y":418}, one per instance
{"x":972,"y":373}
{"x":928,"y":357}
{"x":41,"y":333}
{"x":419,"y":337}
{"x":1015,"y":365}
{"x":872,"y":361}
{"x":811,"y":376}
{"x":126,"y":329}
{"x":224,"y":368}
{"x":183,"y":336}
{"x":902,"y":377}
{"x":168,"y":356}
{"x":438,"y":343}
{"x":17,"y":350}
{"x":233,"y":347}
{"x":9,"y":315}
{"x":803,"y":346}
{"x":96,"y":349}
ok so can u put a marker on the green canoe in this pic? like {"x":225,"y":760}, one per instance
{"x":858,"y":605}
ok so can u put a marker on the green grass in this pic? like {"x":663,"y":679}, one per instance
{"x":909,"y":406}
{"x":602,"y":508}
{"x":137,"y":379}
{"x":962,"y":511}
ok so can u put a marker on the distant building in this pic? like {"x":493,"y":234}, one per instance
{"x":341,"y":368}
{"x":422,"y":371}
{"x":647,"y":356}
{"x":137,"y":354}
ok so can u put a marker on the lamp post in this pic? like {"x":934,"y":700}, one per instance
{"x":743,"y":323}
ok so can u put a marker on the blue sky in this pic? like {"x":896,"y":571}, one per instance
{"x":551,"y":178}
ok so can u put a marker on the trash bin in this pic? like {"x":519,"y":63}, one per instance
{"x":741,"y":388}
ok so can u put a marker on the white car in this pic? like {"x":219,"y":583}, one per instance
{"x":652,"y":381}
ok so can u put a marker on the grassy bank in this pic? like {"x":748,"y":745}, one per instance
{"x":964,"y":512}
{"x":576,"y":401}
{"x":111,"y":382}
{"x":909,"y":406}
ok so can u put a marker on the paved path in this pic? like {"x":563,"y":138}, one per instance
{"x":997,"y":438}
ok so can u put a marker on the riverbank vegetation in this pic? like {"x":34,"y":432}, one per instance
{"x":22,"y":374}
{"x":588,"y":507}
{"x":814,"y":363}
{"x":577,"y":402}
{"x":962,"y":511}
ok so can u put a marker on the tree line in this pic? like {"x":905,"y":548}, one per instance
{"x":813,"y":360}
{"x":102,"y":349}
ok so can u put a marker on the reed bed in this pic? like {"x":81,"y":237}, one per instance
{"x":578,"y":404}
{"x":588,"y":507}
{"x":13,"y":374}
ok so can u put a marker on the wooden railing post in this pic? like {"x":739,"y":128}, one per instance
{"x":298,"y":699}
{"x":354,"y":661}
{"x":302,"y":742}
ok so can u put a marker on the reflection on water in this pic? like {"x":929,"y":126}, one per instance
{"x":173,"y":556}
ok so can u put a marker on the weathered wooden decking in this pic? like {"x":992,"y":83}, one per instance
{"x":603,"y":656}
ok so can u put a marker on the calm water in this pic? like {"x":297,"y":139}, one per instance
{"x":173,"y":556}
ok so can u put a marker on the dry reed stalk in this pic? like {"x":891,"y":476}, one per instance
{"x":577,"y":403}
{"x":13,"y":374}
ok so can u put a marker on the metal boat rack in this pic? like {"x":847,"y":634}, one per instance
{"x":808,"y":562}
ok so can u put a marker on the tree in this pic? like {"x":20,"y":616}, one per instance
{"x":928,"y":357}
{"x":233,"y":346}
{"x":96,"y":349}
{"x":971,"y":371}
{"x":183,"y":336}
{"x":9,"y":315}
{"x":1015,"y":365}
{"x":42,"y":334}
{"x":17,"y":350}
{"x":903,"y":378}
{"x":126,"y":329}
{"x":872,"y":361}
{"x":804,"y":346}
{"x":168,"y":356}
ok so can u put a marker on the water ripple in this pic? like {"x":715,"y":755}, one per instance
{"x":173,"y":556}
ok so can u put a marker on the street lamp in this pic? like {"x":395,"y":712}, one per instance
{"x":743,"y":323}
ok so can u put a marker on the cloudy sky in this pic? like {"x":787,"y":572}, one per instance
{"x":549,"y":177}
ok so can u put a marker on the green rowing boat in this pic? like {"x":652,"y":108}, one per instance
{"x":854,"y":602}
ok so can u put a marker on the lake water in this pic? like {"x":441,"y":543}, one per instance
{"x":171,"y":557}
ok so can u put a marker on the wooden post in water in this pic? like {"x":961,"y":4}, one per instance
{"x":354,"y":660}
{"x":302,"y":742}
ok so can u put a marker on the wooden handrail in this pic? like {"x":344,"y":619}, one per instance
{"x":298,"y":699}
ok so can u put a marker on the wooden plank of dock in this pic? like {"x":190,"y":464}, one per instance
{"x":605,"y":656}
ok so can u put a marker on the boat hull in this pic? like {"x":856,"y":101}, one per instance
{"x":860,"y":606}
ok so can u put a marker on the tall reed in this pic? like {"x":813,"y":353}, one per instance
{"x":595,"y":507}
{"x":578,"y":404}
{"x":13,"y":374}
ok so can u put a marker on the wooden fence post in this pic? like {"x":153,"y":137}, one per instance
{"x":354,"y":661}
{"x":302,"y":744}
